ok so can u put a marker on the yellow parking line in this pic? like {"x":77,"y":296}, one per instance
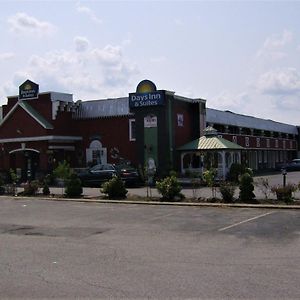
{"x":245,"y":221}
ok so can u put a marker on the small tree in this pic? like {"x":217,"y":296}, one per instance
{"x":246,"y":188}
{"x":62,"y":171}
{"x":114,"y":188}
{"x":169,"y":188}
{"x":227,"y":191}
{"x":209,"y":178}
{"x":264,"y":186}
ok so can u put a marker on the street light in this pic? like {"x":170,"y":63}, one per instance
{"x":284,"y":172}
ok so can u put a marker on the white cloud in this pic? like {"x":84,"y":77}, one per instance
{"x":6,"y":56}
{"x":274,"y":46}
{"x":86,"y":10}
{"x":159,"y":59}
{"x":91,"y":74}
{"x":280,"y":82}
{"x":81,"y":43}
{"x":25,"y":24}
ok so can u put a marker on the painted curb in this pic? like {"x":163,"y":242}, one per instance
{"x":191,"y":204}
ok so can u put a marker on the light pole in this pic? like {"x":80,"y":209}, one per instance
{"x":284,"y":172}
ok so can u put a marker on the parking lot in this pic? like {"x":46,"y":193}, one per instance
{"x":75,"y":250}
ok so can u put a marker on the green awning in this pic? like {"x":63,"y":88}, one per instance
{"x":210,"y":143}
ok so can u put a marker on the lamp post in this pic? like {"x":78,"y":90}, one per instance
{"x":284,"y":172}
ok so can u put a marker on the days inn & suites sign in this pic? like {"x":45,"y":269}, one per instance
{"x":146,"y":95}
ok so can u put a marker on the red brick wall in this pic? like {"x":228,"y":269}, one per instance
{"x":113,"y":132}
{"x":190,"y":129}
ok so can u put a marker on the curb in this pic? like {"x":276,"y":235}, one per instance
{"x":191,"y":204}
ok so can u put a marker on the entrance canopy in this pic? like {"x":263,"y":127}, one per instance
{"x":209,"y":151}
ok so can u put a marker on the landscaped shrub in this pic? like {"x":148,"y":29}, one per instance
{"x":284,"y":193}
{"x":114,"y":188}
{"x":169,"y":188}
{"x":209,"y":178}
{"x":264,"y":186}
{"x":31,"y":188}
{"x":236,"y":170}
{"x":227,"y":191}
{"x":46,"y":190}
{"x":73,"y":187}
{"x":62,"y":172}
{"x":246,"y":189}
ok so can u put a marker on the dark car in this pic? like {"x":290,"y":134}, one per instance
{"x":293,"y":165}
{"x":129,"y":175}
{"x":98,"y":174}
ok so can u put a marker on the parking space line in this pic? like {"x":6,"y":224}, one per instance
{"x":245,"y":221}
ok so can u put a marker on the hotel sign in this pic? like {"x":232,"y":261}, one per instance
{"x":28,"y":90}
{"x":146,"y":95}
{"x":146,"y":99}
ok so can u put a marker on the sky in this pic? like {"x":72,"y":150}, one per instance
{"x":242,"y":56}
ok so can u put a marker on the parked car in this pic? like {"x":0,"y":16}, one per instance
{"x":97,"y":174}
{"x":129,"y":175}
{"x":293,"y":165}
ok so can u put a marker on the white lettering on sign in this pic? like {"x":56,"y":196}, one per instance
{"x":150,"y":99}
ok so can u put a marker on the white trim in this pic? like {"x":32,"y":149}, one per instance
{"x":41,"y":138}
{"x":70,"y":148}
{"x":130,"y":130}
{"x":31,"y":115}
{"x":24,"y":149}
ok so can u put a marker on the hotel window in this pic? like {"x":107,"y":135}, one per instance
{"x":257,"y":142}
{"x":260,"y":157}
{"x":132,"y":134}
{"x":265,"y":156}
{"x":247,"y":141}
{"x":179,"y":120}
{"x":276,"y":143}
{"x":268,"y":143}
{"x":283,"y":146}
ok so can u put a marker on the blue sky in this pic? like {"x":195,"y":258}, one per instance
{"x":239,"y":56}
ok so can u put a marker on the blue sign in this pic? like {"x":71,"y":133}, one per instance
{"x":146,"y":99}
{"x":28,"y":90}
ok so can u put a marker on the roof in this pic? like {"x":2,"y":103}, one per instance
{"x":232,"y":119}
{"x":210,"y":143}
{"x":103,"y":108}
{"x":31,"y":111}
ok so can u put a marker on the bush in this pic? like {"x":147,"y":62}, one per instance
{"x":284,"y":193}
{"x":246,"y":189}
{"x":62,"y":171}
{"x":236,"y":170}
{"x":227,"y":191}
{"x":73,"y":187}
{"x":46,"y":190}
{"x":209,"y":178}
{"x":114,"y":188}
{"x":169,"y":188}
{"x":31,"y":188}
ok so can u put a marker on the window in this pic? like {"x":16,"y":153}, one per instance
{"x":234,"y":139}
{"x":179,"y":120}
{"x":268,"y":143}
{"x":132,"y":133}
{"x":257,"y":142}
{"x":247,"y":141}
{"x":276,"y":143}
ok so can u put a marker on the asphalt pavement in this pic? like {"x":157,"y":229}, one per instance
{"x":68,"y":250}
